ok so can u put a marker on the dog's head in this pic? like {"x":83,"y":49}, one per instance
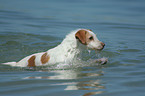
{"x":88,"y":38}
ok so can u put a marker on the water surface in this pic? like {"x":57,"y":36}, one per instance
{"x":31,"y":26}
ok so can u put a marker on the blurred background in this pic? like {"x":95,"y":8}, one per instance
{"x":30,"y":26}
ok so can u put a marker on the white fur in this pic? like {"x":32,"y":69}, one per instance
{"x":66,"y":52}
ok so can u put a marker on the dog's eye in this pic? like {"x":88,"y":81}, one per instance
{"x":91,"y":38}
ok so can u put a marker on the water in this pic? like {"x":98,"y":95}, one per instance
{"x":31,"y":26}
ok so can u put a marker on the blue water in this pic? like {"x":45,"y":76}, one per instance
{"x":31,"y":26}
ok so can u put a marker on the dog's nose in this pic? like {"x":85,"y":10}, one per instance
{"x":102,"y":44}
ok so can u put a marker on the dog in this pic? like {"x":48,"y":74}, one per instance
{"x":70,"y":47}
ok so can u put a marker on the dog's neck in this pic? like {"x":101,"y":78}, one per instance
{"x":70,"y":43}
{"x":68,"y":49}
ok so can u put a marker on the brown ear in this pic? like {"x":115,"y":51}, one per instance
{"x":81,"y":35}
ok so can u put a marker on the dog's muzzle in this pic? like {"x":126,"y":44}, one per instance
{"x":102,"y":46}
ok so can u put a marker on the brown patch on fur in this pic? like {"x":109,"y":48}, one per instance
{"x":31,"y":61}
{"x":81,"y":35}
{"x":45,"y":58}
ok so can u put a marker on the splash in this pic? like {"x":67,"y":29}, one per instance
{"x":88,"y":58}
{"x":89,"y":51}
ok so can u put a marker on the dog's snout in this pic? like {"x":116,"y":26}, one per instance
{"x":103,"y":44}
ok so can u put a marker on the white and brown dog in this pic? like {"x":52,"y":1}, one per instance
{"x":71,"y":46}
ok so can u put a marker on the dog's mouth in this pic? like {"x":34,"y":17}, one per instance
{"x":102,"y":46}
{"x":98,"y":49}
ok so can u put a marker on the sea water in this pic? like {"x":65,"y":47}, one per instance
{"x":31,"y":26}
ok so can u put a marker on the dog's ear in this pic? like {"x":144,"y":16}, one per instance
{"x":89,"y":29}
{"x":81,"y":35}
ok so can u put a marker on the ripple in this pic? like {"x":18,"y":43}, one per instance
{"x":11,"y":43}
{"x":130,"y":50}
{"x":133,"y":61}
{"x":137,"y":73}
{"x":138,"y":83}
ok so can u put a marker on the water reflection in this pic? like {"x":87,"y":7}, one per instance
{"x":76,"y":80}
